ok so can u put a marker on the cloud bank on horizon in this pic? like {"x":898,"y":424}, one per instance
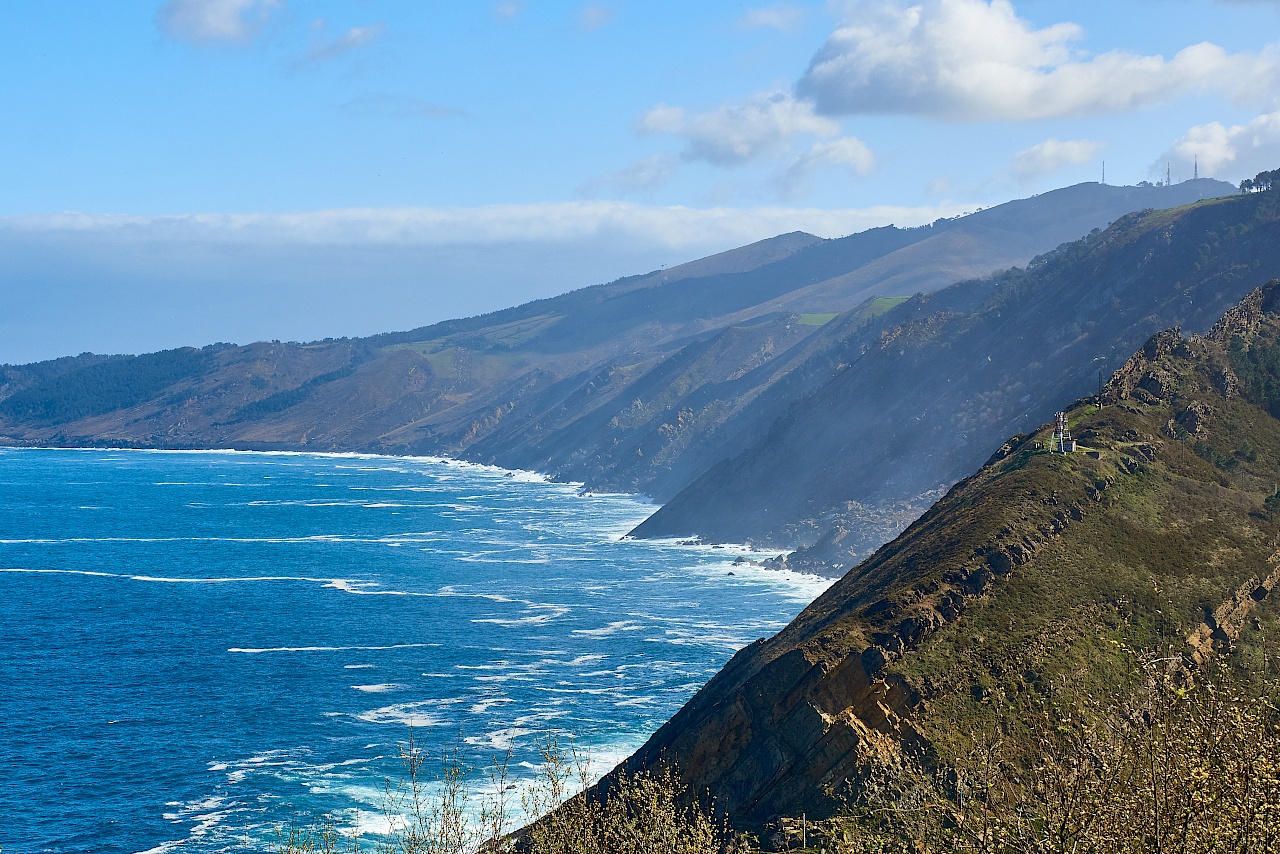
{"x":442,"y":161}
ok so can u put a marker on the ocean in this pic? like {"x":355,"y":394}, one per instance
{"x":197,"y":648}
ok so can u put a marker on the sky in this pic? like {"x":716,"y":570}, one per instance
{"x":179,"y":172}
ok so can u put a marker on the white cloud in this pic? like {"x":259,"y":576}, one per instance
{"x":847,"y":154}
{"x":594,"y":16}
{"x":1050,"y":156}
{"x":352,"y":39}
{"x":209,"y":21}
{"x":783,"y":18}
{"x":643,"y":176}
{"x":734,"y":134}
{"x":971,"y":60}
{"x":507,"y":11}
{"x":1238,"y":151}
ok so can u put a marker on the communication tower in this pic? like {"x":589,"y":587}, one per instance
{"x":1061,"y":443}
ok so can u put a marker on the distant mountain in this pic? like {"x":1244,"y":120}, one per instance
{"x":639,"y":385}
{"x":926,"y":393}
{"x":1032,"y":585}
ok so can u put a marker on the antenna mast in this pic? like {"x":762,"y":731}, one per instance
{"x":1197,"y":167}
{"x":1061,"y":442}
{"x":1104,"y":171}
{"x":1168,"y":172}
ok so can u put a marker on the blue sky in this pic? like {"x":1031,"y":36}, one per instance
{"x":194,"y":170}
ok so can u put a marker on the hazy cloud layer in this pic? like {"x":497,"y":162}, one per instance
{"x":674,"y":227}
{"x":211,"y":21}
{"x":970,"y":60}
{"x":116,"y":284}
{"x":1050,"y":156}
{"x":1239,"y":149}
{"x":734,"y":134}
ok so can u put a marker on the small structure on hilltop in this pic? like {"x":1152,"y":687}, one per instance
{"x":1061,"y":442}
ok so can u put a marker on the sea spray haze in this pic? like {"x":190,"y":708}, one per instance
{"x":199,"y":646}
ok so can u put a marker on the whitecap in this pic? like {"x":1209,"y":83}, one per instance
{"x":405,"y":714}
{"x":379,"y":688}
{"x":611,"y":629}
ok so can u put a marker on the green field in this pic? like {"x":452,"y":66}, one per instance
{"x":816,"y":319}
{"x":880,"y":305}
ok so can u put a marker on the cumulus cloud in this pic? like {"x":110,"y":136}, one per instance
{"x":352,"y":39}
{"x":783,"y":18}
{"x":972,"y":60}
{"x":1238,"y":151}
{"x":210,"y":21}
{"x":1050,"y":156}
{"x":734,"y":134}
{"x":594,"y":16}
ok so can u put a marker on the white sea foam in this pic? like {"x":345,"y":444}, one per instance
{"x":417,"y":714}
{"x":379,"y":688}
{"x":488,"y":703}
{"x":357,"y":666}
{"x":544,"y":613}
{"x":611,"y":629}
{"x":499,"y":739}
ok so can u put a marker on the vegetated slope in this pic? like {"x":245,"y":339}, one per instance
{"x":1022,"y":589}
{"x":637,"y":385}
{"x":917,"y":408}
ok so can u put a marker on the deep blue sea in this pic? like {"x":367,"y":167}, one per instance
{"x":196,"y":647}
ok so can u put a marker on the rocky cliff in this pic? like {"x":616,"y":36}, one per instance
{"x":1027,"y":584}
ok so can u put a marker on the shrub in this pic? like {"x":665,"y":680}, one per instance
{"x":1171,"y":769}
{"x":642,"y":813}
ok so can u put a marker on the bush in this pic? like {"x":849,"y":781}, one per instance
{"x":1173,"y":769}
{"x":644,"y":813}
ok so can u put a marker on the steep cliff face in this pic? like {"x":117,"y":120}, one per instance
{"x":1024,"y":585}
